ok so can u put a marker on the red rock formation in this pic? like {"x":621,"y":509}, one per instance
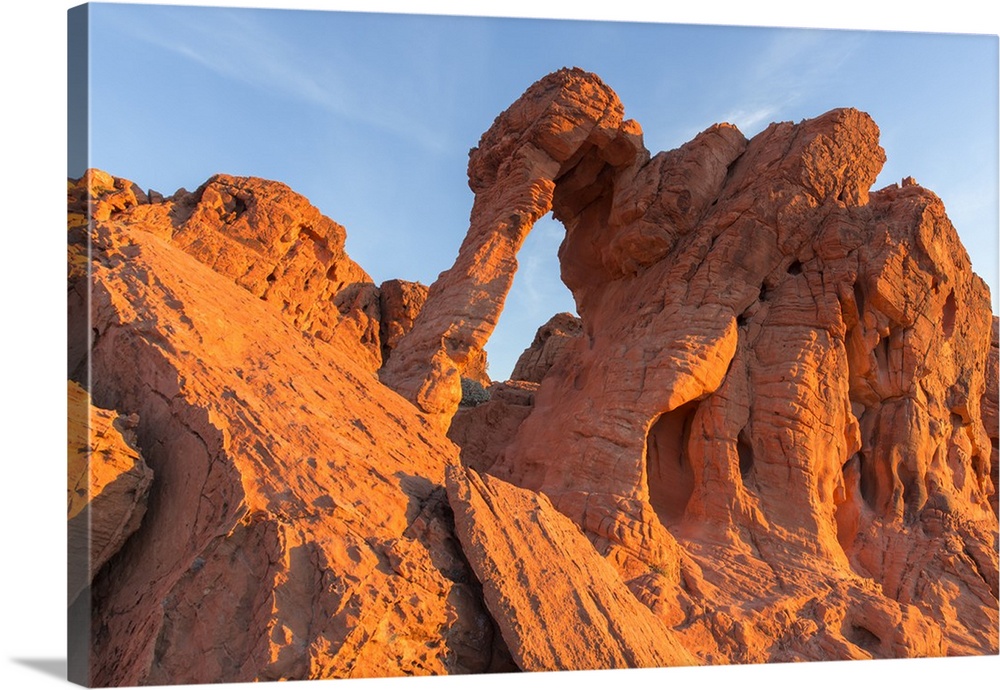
{"x":776,"y":423}
{"x":483,"y":431}
{"x":265,"y":237}
{"x":399,"y":303}
{"x":991,"y":407}
{"x":777,"y":368}
{"x":560,"y":605}
{"x":107,"y":486}
{"x":547,"y":133}
{"x":547,"y":347}
{"x":298,"y":526}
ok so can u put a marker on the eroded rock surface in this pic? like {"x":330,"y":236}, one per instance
{"x":769,"y":436}
{"x":107,"y":486}
{"x":778,"y":368}
{"x":271,"y":242}
{"x":547,"y":348}
{"x":298,"y":526}
{"x":560,"y":605}
{"x":565,"y":122}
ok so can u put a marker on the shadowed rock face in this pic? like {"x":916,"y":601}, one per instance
{"x":107,"y":486}
{"x":769,"y":435}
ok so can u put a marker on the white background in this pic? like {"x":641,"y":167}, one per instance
{"x":32,"y":223}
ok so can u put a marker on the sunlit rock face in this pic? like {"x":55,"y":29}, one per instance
{"x":778,"y":369}
{"x":768,"y":434}
{"x":297,"y":524}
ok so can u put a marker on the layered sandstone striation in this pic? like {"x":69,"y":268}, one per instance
{"x":769,"y":435}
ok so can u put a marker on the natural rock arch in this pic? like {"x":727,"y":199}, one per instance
{"x":757,"y":291}
{"x":555,"y":148}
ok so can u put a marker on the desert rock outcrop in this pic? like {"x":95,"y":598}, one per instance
{"x":547,"y":348}
{"x":560,"y":605}
{"x":775,"y":361}
{"x":769,"y":435}
{"x":297,"y":526}
{"x":273,"y":243}
{"x":566,"y":123}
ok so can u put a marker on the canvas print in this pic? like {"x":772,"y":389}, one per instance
{"x":423,"y":345}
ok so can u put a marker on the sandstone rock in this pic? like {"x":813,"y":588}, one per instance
{"x":559,"y":605}
{"x":265,"y":237}
{"x":566,"y":121}
{"x":547,"y":347}
{"x":484,"y":431}
{"x":297,"y":526}
{"x":399,"y":303}
{"x":991,"y":408}
{"x":772,"y":439}
{"x":773,"y":359}
{"x":107,"y":486}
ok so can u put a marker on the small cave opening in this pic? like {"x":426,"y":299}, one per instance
{"x":868,"y":482}
{"x":765,"y":293}
{"x":864,"y":638}
{"x":744,"y":450}
{"x":859,"y":299}
{"x":948,"y":315}
{"x":881,"y":352}
{"x":668,"y":465}
{"x":795,"y":268}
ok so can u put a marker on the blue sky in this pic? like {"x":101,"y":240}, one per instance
{"x":371,"y":116}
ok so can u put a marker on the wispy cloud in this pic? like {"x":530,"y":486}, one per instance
{"x":239,"y":46}
{"x":752,"y":120}
{"x":793,"y":67}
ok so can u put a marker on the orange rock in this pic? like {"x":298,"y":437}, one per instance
{"x":538,"y":139}
{"x":771,"y":437}
{"x":483,"y":431}
{"x":773,"y":359}
{"x":297,"y":527}
{"x":991,"y":408}
{"x":560,"y":606}
{"x":107,"y":486}
{"x":269,"y":240}
{"x":547,"y":347}
{"x":399,"y":303}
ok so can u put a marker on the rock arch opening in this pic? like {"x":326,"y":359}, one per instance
{"x":669,"y":474}
{"x":557,"y":147}
{"x":535,"y":295}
